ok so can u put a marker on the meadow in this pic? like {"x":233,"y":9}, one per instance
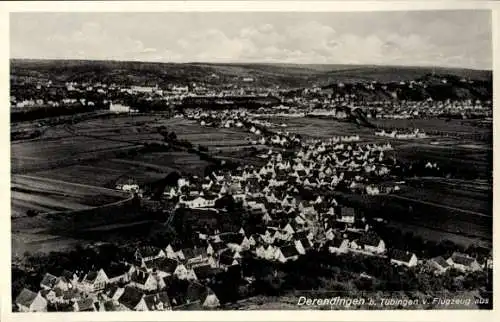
{"x":48,"y":195}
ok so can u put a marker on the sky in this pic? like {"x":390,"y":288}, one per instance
{"x":415,"y":38}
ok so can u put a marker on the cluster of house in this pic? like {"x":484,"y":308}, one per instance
{"x":154,"y":280}
{"x":236,"y":118}
{"x":403,"y":134}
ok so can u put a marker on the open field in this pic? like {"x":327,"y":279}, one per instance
{"x":48,"y":195}
{"x":445,"y":210}
{"x":434,"y":124}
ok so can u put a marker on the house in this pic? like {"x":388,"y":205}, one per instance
{"x":338,"y":245}
{"x":463,"y":262}
{"x":84,"y":305}
{"x":147,"y":281}
{"x":183,"y":273}
{"x":119,"y":272}
{"x":329,"y":234}
{"x":170,"y":252}
{"x":439,"y":264}
{"x":369,"y":242}
{"x":93,"y":281}
{"x":191,"y":295}
{"x":226,"y":260}
{"x":399,"y":257}
{"x":164,"y":266}
{"x":132,"y":299}
{"x":29,"y":301}
{"x":347,"y":215}
{"x":158,"y":302}
{"x":113,"y":292}
{"x":215,"y":248}
{"x":270,"y":252}
{"x":193,"y":256}
{"x":303,"y":245}
{"x":286,"y":253}
{"x":205,"y":272}
{"x":50,"y":282}
{"x":235,"y":241}
{"x":70,"y":295}
{"x":70,"y":277}
{"x":146,"y":253}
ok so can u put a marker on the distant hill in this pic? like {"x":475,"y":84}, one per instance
{"x":283,"y":75}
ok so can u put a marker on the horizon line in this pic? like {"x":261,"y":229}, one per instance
{"x":254,"y":63}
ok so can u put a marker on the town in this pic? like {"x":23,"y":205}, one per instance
{"x":284,"y":209}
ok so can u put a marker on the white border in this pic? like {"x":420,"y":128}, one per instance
{"x":187,"y":6}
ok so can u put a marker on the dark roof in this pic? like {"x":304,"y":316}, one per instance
{"x":232,"y":238}
{"x":85,"y":305}
{"x":218,"y":246}
{"x":109,"y":306}
{"x":370,"y":239}
{"x":117,"y":269}
{"x":26,"y":297}
{"x":48,"y":280}
{"x":462,"y":259}
{"x":226,"y":259}
{"x":196,"y":292}
{"x":148,"y":251}
{"x":190,"y":253}
{"x":90,"y":277}
{"x":336,"y":242}
{"x":305,"y":243}
{"x":300,"y":235}
{"x":347,"y":211}
{"x":139,"y":277}
{"x":153,"y":301}
{"x":289,"y":251}
{"x":166,"y":265}
{"x":205,"y":271}
{"x":130,"y":297}
{"x":110,"y":290}
{"x":440,"y":261}
{"x":68,"y":275}
{"x":400,"y":255}
{"x":72,"y":293}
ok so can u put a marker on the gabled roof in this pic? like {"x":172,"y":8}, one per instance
{"x":117,"y":269}
{"x":225,"y":259}
{"x":130,"y":297}
{"x":154,"y":300}
{"x":370,"y":239}
{"x":336,"y":242}
{"x":190,"y":253}
{"x":440,"y":261}
{"x":68,"y":275}
{"x":166,"y":265}
{"x":110,"y":290}
{"x":85,"y":305}
{"x":305,"y":243}
{"x":90,"y":277}
{"x":218,"y":246}
{"x":462,"y":259}
{"x":401,"y":255}
{"x":72,"y":293}
{"x":26,"y":297}
{"x":300,"y":235}
{"x":205,"y":271}
{"x":289,"y":251}
{"x":347,"y":211}
{"x":232,"y":238}
{"x":139,"y":277}
{"x":148,"y":251}
{"x":48,"y":280}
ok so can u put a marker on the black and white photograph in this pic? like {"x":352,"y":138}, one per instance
{"x":228,"y":161}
